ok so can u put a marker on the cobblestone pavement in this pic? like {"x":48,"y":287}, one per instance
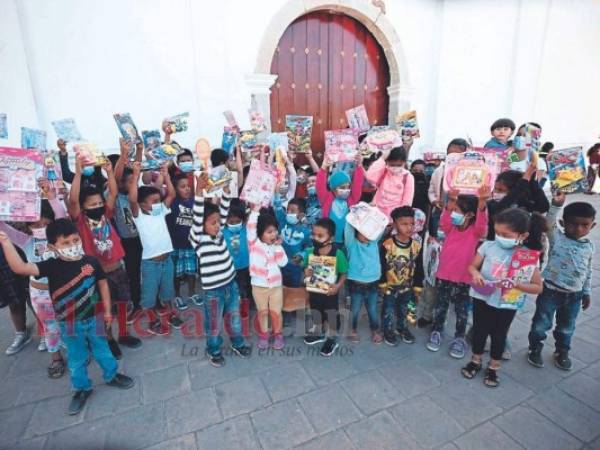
{"x":365,"y":397}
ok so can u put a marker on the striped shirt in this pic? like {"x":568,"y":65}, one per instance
{"x":216,"y":264}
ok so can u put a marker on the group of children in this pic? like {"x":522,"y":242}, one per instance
{"x":128,"y":241}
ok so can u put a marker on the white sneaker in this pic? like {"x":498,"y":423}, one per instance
{"x":42,"y":346}
{"x":22,"y":338}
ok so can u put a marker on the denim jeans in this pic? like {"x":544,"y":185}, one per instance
{"x":157,"y":280}
{"x":566,"y":306}
{"x":395,"y":304}
{"x":450,"y":292}
{"x":367,"y":293}
{"x":79,"y":336}
{"x":222,"y":308}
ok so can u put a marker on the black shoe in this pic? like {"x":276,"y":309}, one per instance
{"x":156,"y":328}
{"x":312,"y":339}
{"x":390,"y":338}
{"x":424,"y":323}
{"x":407,"y":337}
{"x":130,"y":341}
{"x":243,"y":352}
{"x":121,"y":381}
{"x":534,"y":357}
{"x":562,"y":360}
{"x":175,"y":322}
{"x":329,"y":347}
{"x":78,"y":402}
{"x":115,"y":349}
{"x":216,"y":360}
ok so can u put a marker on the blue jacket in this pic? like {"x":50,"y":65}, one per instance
{"x":237,"y":243}
{"x":296,"y":239}
{"x":495,"y":143}
{"x":364,"y":264}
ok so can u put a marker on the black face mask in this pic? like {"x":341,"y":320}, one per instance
{"x":319,"y":245}
{"x":419,"y":177}
{"x":95,"y":213}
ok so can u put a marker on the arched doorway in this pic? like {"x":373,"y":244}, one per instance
{"x":326,"y":63}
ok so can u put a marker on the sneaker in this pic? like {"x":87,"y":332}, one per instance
{"x":278,"y":342}
{"x":78,"y":402}
{"x":390,"y":338}
{"x":329,"y":347}
{"x":133,"y":315}
{"x":157,"y":329}
{"x":129,"y":341}
{"x":424,"y":323}
{"x":115,"y":349}
{"x":354,"y":337}
{"x":507,"y":354}
{"x":216,"y":360}
{"x":458,"y":348}
{"x":534,"y":357}
{"x":243,"y":351}
{"x":180,"y":304}
{"x":22,"y":338}
{"x":121,"y":381}
{"x":313,"y":339}
{"x":263,"y":342}
{"x":197,"y":300}
{"x":435,"y":340}
{"x":42,"y":345}
{"x":562,"y":360}
{"x":175,"y":321}
{"x":376,"y":337}
{"x":407,"y":337}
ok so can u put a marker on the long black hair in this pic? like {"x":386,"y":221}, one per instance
{"x":521,"y":221}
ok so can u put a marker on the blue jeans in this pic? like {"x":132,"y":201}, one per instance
{"x":395,"y":304}
{"x":157,"y":281}
{"x":222,"y":303}
{"x":79,"y":336}
{"x":367,"y":293}
{"x":566,"y":306}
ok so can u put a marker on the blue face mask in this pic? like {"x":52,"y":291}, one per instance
{"x":156,"y":209}
{"x":87,"y":171}
{"x":457,"y":218}
{"x":292,"y":219}
{"x":506,"y":243}
{"x":343,"y":194}
{"x":235,"y":227}
{"x":312,"y":191}
{"x":186,"y":166}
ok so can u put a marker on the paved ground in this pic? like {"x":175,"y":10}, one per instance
{"x":366,"y":397}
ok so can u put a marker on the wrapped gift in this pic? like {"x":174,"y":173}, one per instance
{"x":89,"y":154}
{"x":368,"y":220}
{"x":408,"y":124}
{"x":323,"y":273}
{"x":566,"y":170}
{"x":299,"y":130}
{"x":177,"y":123}
{"x":66,"y":129}
{"x":341,"y":145}
{"x":467,"y":172}
{"x":20,"y":199}
{"x":259,"y":187}
{"x":32,"y":138}
{"x":382,"y":138}
{"x":358,"y":119}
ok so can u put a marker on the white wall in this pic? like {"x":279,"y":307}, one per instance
{"x":470,"y":62}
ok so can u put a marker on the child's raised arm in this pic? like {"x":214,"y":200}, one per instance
{"x":358,"y":179}
{"x":481,"y":218}
{"x":251,"y":225}
{"x":113,"y":190}
{"x":198,"y":209}
{"x":224,"y":205}
{"x":133,"y":189}
{"x":168,"y":201}
{"x":122,"y":161}
{"x":311,"y":161}
{"x":73,"y":203}
{"x":16,"y":264}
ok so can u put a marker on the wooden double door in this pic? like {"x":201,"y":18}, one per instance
{"x":325,"y":64}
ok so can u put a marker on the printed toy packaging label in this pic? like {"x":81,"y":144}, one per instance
{"x":566,"y":170}
{"x":358,"y":119}
{"x":323,"y":273}
{"x":66,"y":129}
{"x":467,"y":172}
{"x":32,"y":138}
{"x":341,"y":145}
{"x":299,"y":130}
{"x":20,"y":199}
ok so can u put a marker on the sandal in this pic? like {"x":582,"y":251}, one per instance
{"x":471,"y":370}
{"x":56,"y":369}
{"x":491,"y":378}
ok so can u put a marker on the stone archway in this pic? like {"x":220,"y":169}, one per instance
{"x":400,"y":91}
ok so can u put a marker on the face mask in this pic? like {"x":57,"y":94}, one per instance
{"x":292,"y":219}
{"x":312,"y":191}
{"x":419,"y":176}
{"x":457,"y":218}
{"x":186,"y":166}
{"x":343,"y":193}
{"x":498,"y":196}
{"x":156,"y":209}
{"x":319,"y":245}
{"x":301,"y":180}
{"x":94,"y":213}
{"x":39,"y":233}
{"x":73,"y":253}
{"x":506,"y":243}
{"x":87,"y":171}
{"x":395,"y":170}
{"x":235,"y":227}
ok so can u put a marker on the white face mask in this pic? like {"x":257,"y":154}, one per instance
{"x":395,"y":170}
{"x":498,"y":196}
{"x":72,"y":253}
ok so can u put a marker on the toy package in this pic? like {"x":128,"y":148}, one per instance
{"x":408,"y":124}
{"x":299,"y":129}
{"x":177,"y":123}
{"x":32,"y":138}
{"x":66,"y":129}
{"x":259,"y":187}
{"x":3,"y":127}
{"x":229,"y":140}
{"x":532,"y":137}
{"x":257,"y":121}
{"x":432,"y":156}
{"x":278,"y":143}
{"x":221,"y":177}
{"x":522,"y":265}
{"x":502,"y":155}
{"x":53,"y":173}
{"x":128,"y":130}
{"x":341,"y":145}
{"x":20,"y":199}
{"x":368,"y":220}
{"x":431,"y":259}
{"x":203,"y":150}
{"x":323,"y":273}
{"x":467,"y":172}
{"x":248,"y":140}
{"x":90,"y":154}
{"x":358,"y":119}
{"x":382,"y":138}
{"x":230,"y":118}
{"x":151,"y":139}
{"x":566,"y":170}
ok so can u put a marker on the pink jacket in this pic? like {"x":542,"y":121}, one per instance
{"x":459,"y":247}
{"x":326,"y":197}
{"x":392,"y":190}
